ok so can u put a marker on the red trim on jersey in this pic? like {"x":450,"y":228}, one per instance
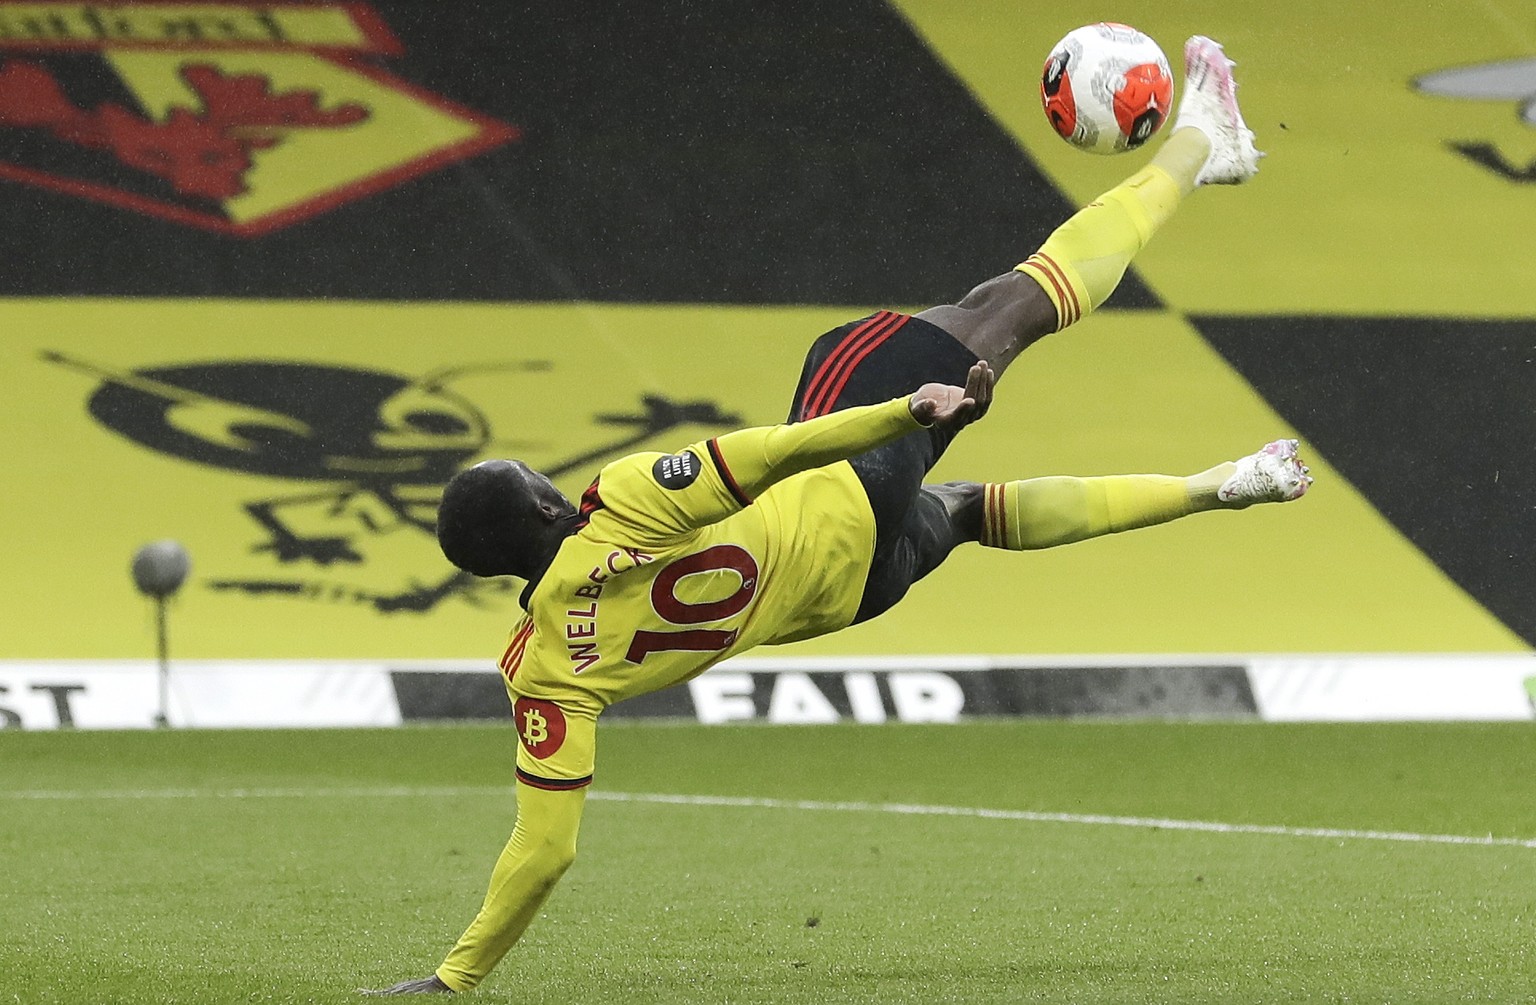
{"x":832,"y":376}
{"x":591,"y":502}
{"x":513,"y":657}
{"x":522,"y":633}
{"x":725,"y":474}
{"x":553,"y":784}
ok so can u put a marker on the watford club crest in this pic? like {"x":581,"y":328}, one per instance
{"x":239,"y":119}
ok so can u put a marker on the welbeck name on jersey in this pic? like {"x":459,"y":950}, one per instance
{"x":581,"y":618}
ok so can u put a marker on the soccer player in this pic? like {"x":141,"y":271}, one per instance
{"x":673,"y":562}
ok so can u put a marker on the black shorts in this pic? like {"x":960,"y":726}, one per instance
{"x":867,"y":362}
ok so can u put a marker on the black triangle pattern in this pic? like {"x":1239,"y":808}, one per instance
{"x":671,"y":152}
{"x":1433,"y":419}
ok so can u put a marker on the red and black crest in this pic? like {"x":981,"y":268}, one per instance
{"x":237,"y":118}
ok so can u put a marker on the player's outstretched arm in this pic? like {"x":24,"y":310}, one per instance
{"x":757,"y":458}
{"x":542,"y":847}
{"x":714,"y":479}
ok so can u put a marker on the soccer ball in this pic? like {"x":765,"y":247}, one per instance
{"x":1106,"y":88}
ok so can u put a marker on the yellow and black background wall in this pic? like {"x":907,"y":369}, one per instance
{"x":271,"y":273}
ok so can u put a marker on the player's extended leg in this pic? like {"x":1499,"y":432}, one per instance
{"x":1073,"y":272}
{"x":1046,"y":512}
{"x":1084,"y":260}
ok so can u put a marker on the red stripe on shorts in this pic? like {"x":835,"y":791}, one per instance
{"x":832,"y":357}
{"x":832,"y":376}
{"x":855,"y":354}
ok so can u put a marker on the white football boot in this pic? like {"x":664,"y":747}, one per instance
{"x":1210,"y":105}
{"x":1274,"y":474}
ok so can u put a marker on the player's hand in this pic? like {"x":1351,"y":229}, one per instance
{"x":955,"y":407}
{"x":420,"y":986}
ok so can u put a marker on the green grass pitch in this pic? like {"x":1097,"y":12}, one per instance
{"x":298,"y":866}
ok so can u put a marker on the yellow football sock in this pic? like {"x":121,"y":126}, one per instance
{"x":1045,"y":512}
{"x":1082,"y":262}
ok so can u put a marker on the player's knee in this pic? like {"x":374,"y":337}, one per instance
{"x":958,"y":495}
{"x":1006,"y":294}
{"x":558,"y":854}
{"x":997,"y":319}
{"x":963,"y":504}
{"x":548,"y":852}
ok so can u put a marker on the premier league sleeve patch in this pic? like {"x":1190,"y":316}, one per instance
{"x":677,"y":471}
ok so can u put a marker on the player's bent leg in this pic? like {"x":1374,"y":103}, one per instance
{"x":1079,"y":265}
{"x":1083,"y":261}
{"x":1047,"y":512}
{"x":999,"y":319}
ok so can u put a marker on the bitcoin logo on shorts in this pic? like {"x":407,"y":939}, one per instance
{"x":535,"y":728}
{"x":540,"y":725}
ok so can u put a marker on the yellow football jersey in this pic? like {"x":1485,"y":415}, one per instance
{"x":677,"y":561}
{"x":758,"y":536}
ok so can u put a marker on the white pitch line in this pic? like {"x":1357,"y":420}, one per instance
{"x":1091,"y":819}
{"x":379,"y":792}
{"x":804,"y":805}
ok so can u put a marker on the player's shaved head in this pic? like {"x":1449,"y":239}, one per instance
{"x":497,"y":519}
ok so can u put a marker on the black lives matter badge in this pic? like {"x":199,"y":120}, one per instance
{"x":241,"y":119}
{"x":676,"y":471}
